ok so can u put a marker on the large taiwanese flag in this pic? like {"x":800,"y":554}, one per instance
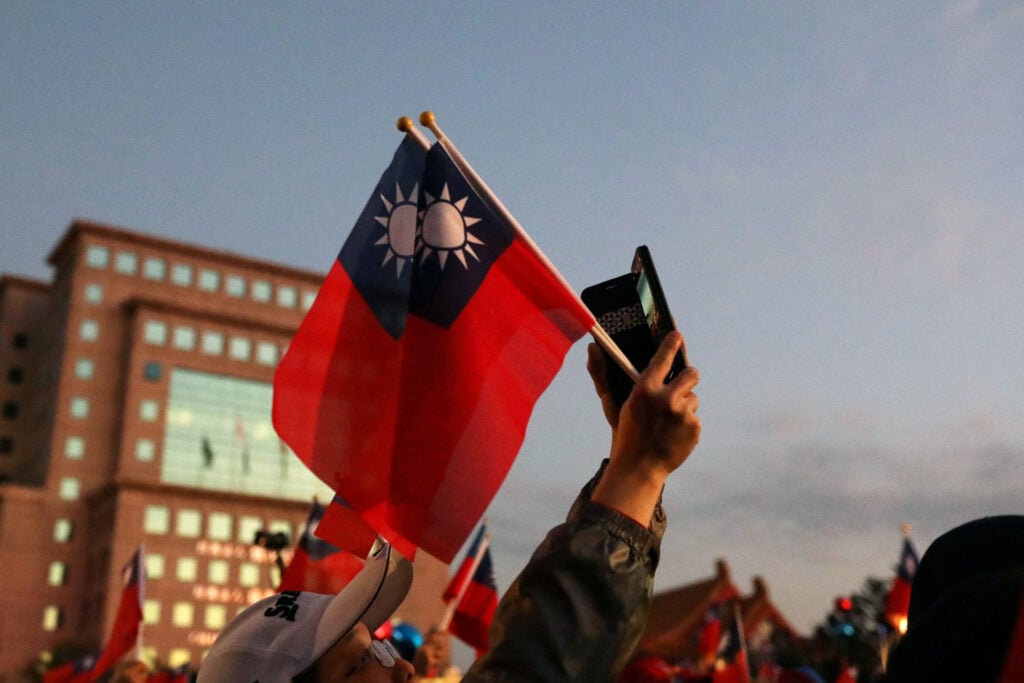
{"x":125,"y":631}
{"x":318,"y":566}
{"x":410,"y":382}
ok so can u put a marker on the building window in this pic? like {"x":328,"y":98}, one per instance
{"x":240,"y":348}
{"x":189,"y":524}
{"x":307,"y":300}
{"x":181,"y":274}
{"x":154,"y":566}
{"x":266,"y":353}
{"x":51,"y":618}
{"x":213,"y":343}
{"x":97,"y":257}
{"x":6,"y":445}
{"x":79,"y":407}
{"x":154,"y":269}
{"x":209,"y":280}
{"x":155,"y":332}
{"x":215,"y":617}
{"x":287,"y":297}
{"x":94,"y":293}
{"x":84,"y":368}
{"x":249,"y":575}
{"x":57,"y":574}
{"x":184,"y":338}
{"x":126,"y":263}
{"x":152,"y":371}
{"x":247,"y":528}
{"x":69,"y":489}
{"x":149,"y":410}
{"x":261,"y":291}
{"x":186,"y":569}
{"x":218,"y":572}
{"x":150,"y":611}
{"x":89,"y":330}
{"x":179,"y":656}
{"x":62,"y":530}
{"x":74,"y":447}
{"x":11,"y":410}
{"x":156,"y":520}
{"x":218,"y":526}
{"x":15,"y":375}
{"x":145,"y":449}
{"x":234,"y":285}
{"x":182,"y":614}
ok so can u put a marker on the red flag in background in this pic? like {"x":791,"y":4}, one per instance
{"x":317,"y":566}
{"x":897,"y":605}
{"x":731,"y":665}
{"x":344,"y":527}
{"x":125,"y":632}
{"x":475,"y":595}
{"x":78,"y":671}
{"x":410,"y":382}
{"x":181,"y":674}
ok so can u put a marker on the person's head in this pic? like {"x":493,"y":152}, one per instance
{"x":131,"y":671}
{"x":965,"y":605}
{"x":313,"y":638}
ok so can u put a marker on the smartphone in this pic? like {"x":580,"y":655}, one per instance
{"x":633,"y":310}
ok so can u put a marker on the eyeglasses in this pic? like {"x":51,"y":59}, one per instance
{"x":381,"y":650}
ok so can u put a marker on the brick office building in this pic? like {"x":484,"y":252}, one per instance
{"x":135,"y":394}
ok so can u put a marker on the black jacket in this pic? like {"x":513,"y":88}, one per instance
{"x":578,"y":609}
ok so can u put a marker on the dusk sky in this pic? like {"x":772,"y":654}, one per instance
{"x":832,"y":193}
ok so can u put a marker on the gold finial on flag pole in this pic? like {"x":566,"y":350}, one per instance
{"x":406,"y":125}
{"x":906,"y":530}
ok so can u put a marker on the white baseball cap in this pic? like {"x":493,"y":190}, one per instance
{"x":279,"y":637}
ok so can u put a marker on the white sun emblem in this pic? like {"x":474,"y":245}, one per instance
{"x":444,"y":229}
{"x":399,"y":228}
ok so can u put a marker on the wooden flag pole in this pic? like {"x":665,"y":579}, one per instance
{"x":446,"y":620}
{"x":597,"y":332}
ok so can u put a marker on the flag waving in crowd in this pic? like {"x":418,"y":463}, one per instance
{"x":124,"y":634}
{"x":318,"y":566}
{"x":472,"y":596}
{"x":897,"y":605}
{"x":78,"y":671}
{"x":731,"y":665}
{"x":410,"y":382}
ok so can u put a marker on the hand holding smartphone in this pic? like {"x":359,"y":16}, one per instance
{"x":633,"y":310}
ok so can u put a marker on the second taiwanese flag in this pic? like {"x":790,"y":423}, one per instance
{"x":410,"y":382}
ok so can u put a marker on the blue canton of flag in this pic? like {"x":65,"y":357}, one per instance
{"x":908,"y":561}
{"x":424,"y":242}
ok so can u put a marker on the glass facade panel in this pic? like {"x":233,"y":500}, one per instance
{"x":97,"y":257}
{"x":155,"y":332}
{"x":151,"y":612}
{"x":248,"y":575}
{"x":266,"y":353}
{"x":79,"y":407}
{"x":156,"y":519}
{"x":62,"y":530}
{"x":154,"y":269}
{"x":184,"y":338}
{"x":247,"y":528}
{"x":189,"y":524}
{"x":202,"y":447}
{"x":216,"y":617}
{"x":126,"y":263}
{"x":307,"y":300}
{"x":149,"y":410}
{"x":51,"y":618}
{"x":218,"y":526}
{"x":56,"y":575}
{"x":178,"y":657}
